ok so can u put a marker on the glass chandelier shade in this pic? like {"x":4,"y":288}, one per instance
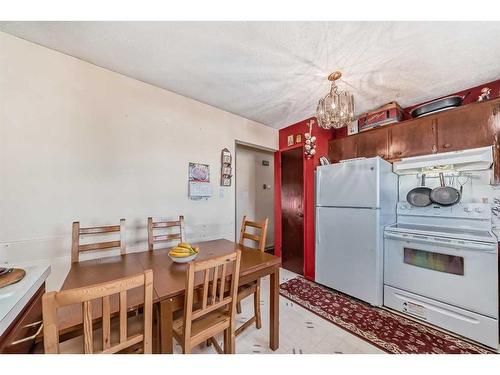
{"x":336,"y":109}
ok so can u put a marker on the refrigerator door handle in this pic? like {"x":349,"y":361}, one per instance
{"x":318,"y":234}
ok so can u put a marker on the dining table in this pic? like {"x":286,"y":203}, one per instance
{"x":169,"y":282}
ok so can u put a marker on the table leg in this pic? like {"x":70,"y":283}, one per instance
{"x":274,"y":305}
{"x":166,"y":322}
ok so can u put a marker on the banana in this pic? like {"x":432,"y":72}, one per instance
{"x":180,"y":255}
{"x":181,"y":249}
{"x":184,"y":249}
{"x":180,"y":252}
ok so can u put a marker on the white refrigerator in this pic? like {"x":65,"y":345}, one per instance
{"x":355,"y":200}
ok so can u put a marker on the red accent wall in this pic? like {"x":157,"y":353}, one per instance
{"x":322,"y":138}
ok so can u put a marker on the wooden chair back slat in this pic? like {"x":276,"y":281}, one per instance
{"x":123,"y":316}
{"x":78,"y":232}
{"x":167,"y":237}
{"x":214,"y":283}
{"x":205,"y":288}
{"x":260,"y":240}
{"x":252,"y":237}
{"x":152,"y":225}
{"x":106,"y":323}
{"x":99,"y":246}
{"x":214,"y":306}
{"x":88,"y":336}
{"x":100,"y":230}
{"x":211,"y":267}
{"x":222,"y":283}
{"x":52,"y":301}
{"x":167,"y":224}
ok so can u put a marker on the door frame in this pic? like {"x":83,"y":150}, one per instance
{"x":237,"y":225}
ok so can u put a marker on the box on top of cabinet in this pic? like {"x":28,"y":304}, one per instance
{"x":386,"y":114}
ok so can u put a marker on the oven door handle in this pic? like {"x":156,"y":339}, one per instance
{"x":473,"y":246}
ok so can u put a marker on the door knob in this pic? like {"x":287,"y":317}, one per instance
{"x":300,"y":214}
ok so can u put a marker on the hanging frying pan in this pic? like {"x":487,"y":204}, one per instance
{"x":445,"y":195}
{"x":419,"y":196}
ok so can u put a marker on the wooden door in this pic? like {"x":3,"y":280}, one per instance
{"x":373,"y":143}
{"x":292,"y":210}
{"x":342,"y":148}
{"x":467,"y":127}
{"x":417,"y":137}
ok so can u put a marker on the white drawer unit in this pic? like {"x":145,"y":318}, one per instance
{"x":474,"y":326}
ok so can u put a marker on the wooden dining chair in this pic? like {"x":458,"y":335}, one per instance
{"x":253,"y":288}
{"x":165,"y":237}
{"x":113,"y":335}
{"x":78,"y":232}
{"x":215,"y":311}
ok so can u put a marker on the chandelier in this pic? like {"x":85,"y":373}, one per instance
{"x":336,"y":109}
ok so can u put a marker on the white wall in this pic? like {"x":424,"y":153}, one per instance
{"x":78,"y":142}
{"x":252,"y":200}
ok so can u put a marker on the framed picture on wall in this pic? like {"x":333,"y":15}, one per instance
{"x":289,"y":140}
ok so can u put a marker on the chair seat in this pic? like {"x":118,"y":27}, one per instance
{"x":205,"y":327}
{"x":75,"y":345}
{"x":246,"y":290}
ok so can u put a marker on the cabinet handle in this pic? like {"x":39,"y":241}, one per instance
{"x":446,"y":145}
{"x":29,"y":338}
{"x":398,"y":152}
{"x":434,"y":148}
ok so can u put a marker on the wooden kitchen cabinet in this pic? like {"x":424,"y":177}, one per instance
{"x":471,"y":126}
{"x":417,"y":137}
{"x":20,"y":337}
{"x":342,"y":148}
{"x":373,"y":143}
{"x":466,"y":127}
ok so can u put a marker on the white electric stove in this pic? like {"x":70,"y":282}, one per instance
{"x":441,"y":266}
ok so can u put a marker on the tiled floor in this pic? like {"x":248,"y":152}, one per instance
{"x":301,"y":332}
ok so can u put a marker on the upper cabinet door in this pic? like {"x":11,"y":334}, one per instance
{"x":373,"y":143}
{"x":417,"y":137}
{"x":467,"y":127}
{"x":342,"y":148}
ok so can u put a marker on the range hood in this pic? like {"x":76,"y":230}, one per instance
{"x":475,"y":159}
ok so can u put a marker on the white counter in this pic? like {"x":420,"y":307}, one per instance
{"x":13,"y":298}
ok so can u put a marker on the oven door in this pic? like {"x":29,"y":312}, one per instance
{"x":460,"y":273}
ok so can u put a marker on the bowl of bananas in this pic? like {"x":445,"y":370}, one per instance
{"x":183,"y":253}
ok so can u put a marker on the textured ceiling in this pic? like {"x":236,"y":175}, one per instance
{"x":274,"y":72}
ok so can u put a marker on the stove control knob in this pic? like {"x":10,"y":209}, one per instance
{"x":404,"y":206}
{"x":478,"y":209}
{"x":467,"y":209}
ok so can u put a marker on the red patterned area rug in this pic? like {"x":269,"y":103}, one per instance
{"x":388,"y":331}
